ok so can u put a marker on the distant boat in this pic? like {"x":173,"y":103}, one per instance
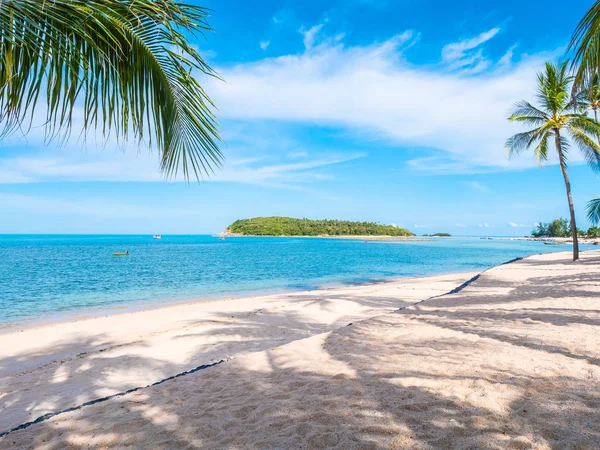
{"x":222,"y":238}
{"x":121,"y":254}
{"x":157,"y":236}
{"x":552,"y":243}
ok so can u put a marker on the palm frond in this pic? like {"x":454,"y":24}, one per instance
{"x":522,"y":141}
{"x":126,"y":64}
{"x":588,"y":147}
{"x":553,"y":91}
{"x":593,"y":211}
{"x":586,"y":44}
{"x":541,"y":150}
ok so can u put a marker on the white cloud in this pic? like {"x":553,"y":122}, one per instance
{"x":372,"y":89}
{"x":467,"y":54}
{"x":518,"y":225}
{"x":506,"y":59}
{"x":486,"y":225}
{"x":310,"y":35}
{"x":460,"y":225}
{"x":72,"y":164}
{"x":264,"y":44}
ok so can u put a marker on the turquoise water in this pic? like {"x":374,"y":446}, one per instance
{"x":45,"y":277}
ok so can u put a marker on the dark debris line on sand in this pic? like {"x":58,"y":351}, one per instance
{"x":103,"y":399}
{"x":457,"y":289}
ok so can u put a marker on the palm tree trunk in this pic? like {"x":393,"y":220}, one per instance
{"x":563,"y":168}
{"x":596,"y":119}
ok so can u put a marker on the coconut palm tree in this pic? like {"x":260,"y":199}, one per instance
{"x":556,"y":120}
{"x":125,"y":66}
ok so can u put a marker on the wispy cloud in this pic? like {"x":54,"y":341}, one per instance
{"x":467,"y":54}
{"x":460,"y":225}
{"x":391,"y":99}
{"x":264,"y":44}
{"x":98,"y":165}
{"x":506,"y":59}
{"x":517,"y":225}
{"x":310,"y":35}
{"x":486,"y":225}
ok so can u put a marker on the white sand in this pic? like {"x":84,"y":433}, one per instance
{"x":48,"y":369}
{"x":512,"y":361}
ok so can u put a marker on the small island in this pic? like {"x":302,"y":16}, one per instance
{"x":438,"y":235}
{"x":287,"y":226}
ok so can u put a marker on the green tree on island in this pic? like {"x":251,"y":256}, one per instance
{"x":554,"y":119}
{"x":125,"y":66}
{"x":556,"y":228}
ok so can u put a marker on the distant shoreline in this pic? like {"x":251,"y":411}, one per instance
{"x":326,"y":236}
{"x":561,"y":240}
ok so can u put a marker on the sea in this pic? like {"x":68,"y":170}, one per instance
{"x":53,"y":277}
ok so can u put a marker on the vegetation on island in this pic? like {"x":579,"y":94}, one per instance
{"x":561,"y":228}
{"x":438,"y":235}
{"x":121,"y":67}
{"x":287,"y":226}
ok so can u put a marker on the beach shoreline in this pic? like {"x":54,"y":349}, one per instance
{"x":84,"y":314}
{"x":94,"y":357}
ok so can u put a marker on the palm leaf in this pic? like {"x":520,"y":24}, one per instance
{"x":522,"y":141}
{"x":126,"y":64}
{"x":593,"y":210}
{"x":586,"y":44}
{"x":541,"y":151}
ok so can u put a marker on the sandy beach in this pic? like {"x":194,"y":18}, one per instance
{"x":510,"y":361}
{"x":53,"y":367}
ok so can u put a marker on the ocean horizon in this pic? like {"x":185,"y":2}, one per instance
{"x":53,"y":277}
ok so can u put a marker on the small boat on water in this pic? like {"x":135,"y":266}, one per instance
{"x":552,"y":243}
{"x":121,"y":254}
{"x":222,"y":238}
{"x":157,"y":236}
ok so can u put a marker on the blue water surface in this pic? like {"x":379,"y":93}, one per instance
{"x":48,"y":276}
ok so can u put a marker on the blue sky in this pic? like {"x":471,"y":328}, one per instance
{"x":391,"y":111}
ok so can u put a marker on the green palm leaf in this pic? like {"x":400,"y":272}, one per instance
{"x":586,"y":45}
{"x":593,"y":210}
{"x":125,"y":64}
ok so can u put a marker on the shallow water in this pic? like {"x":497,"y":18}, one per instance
{"x":49,"y":276}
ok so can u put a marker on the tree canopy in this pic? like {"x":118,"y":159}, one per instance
{"x":287,"y":226}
